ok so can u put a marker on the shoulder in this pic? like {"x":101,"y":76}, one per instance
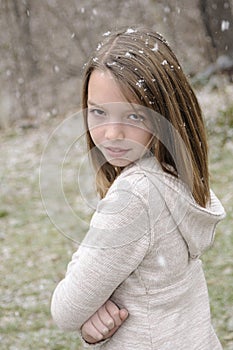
{"x":127,"y":200}
{"x":136,"y":178}
{"x":136,"y":196}
{"x":127,"y":196}
{"x":122,"y":216}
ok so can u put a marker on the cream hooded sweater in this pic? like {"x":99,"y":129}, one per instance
{"x":142,"y":251}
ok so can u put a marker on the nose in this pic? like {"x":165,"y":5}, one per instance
{"x":114,"y":131}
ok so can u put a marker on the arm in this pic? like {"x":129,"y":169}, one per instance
{"x":104,"y":260}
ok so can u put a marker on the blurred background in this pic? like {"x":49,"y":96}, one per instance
{"x":43,"y":48}
{"x":44,"y":44}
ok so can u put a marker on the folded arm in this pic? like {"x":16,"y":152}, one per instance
{"x":104,"y":260}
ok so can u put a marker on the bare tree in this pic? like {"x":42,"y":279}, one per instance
{"x":218,"y":21}
{"x":23,"y":63}
{"x":21,"y":16}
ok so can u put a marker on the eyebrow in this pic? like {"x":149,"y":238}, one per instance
{"x":138,"y":109}
{"x":89,"y":102}
{"x":92,"y":103}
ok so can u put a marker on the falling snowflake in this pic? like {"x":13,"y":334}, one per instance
{"x":56,"y":69}
{"x":225,"y":25}
{"x":167,"y":9}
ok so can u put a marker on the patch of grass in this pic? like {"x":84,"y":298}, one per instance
{"x":223,"y":128}
{"x":218,"y":261}
{"x":33,"y":254}
{"x":3,"y":213}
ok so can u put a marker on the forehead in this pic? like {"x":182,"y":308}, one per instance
{"x":103,"y":88}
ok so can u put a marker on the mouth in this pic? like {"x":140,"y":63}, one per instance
{"x":116,"y":151}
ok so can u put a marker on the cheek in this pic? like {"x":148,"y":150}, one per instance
{"x":141,"y":136}
{"x":96,"y":134}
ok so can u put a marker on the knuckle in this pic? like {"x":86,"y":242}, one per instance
{"x":109,"y":304}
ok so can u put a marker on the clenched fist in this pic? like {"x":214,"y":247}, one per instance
{"x":104,"y":323}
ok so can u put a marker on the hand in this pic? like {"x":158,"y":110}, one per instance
{"x":104,"y":323}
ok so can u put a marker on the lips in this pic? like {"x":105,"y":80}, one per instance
{"x":116,"y":151}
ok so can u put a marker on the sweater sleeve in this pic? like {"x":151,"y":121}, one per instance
{"x":116,"y":243}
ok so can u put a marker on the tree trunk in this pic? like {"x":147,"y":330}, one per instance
{"x":218,"y":22}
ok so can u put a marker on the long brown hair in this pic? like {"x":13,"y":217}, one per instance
{"x":145,"y":67}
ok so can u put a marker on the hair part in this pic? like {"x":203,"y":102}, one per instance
{"x":145,"y":67}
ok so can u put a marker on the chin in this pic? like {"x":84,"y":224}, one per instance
{"x":120,"y":162}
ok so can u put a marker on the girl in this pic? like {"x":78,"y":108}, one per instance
{"x":136,"y":281}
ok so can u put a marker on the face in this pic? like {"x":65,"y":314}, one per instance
{"x":120,"y":130}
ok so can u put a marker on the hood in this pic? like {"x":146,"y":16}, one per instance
{"x":197,"y":224}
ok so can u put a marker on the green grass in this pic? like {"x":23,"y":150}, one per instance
{"x":218,"y":262}
{"x":34,"y":254}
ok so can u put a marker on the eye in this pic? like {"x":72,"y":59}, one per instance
{"x":96,"y":112}
{"x":136,"y":117}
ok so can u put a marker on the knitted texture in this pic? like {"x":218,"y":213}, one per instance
{"x":142,"y":251}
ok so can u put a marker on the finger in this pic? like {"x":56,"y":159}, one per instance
{"x":98,"y":324}
{"x":89,"y":330}
{"x":111,"y":332}
{"x":124,"y":314}
{"x":105,"y":317}
{"x":114,"y":311}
